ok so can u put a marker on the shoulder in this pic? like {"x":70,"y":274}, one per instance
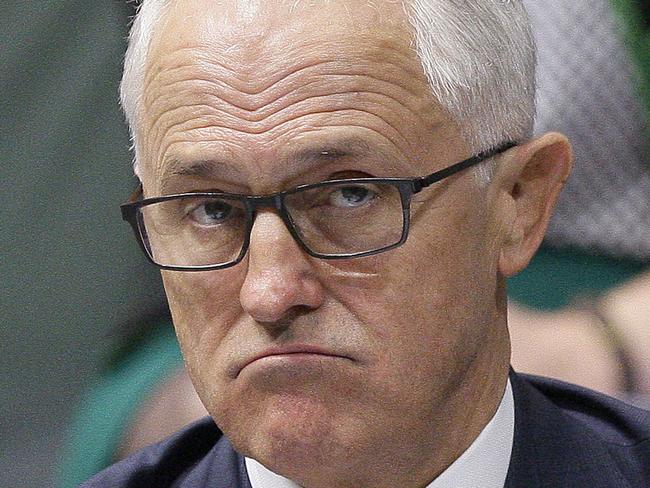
{"x":611,"y":420}
{"x":564,"y":431}
{"x":185,"y":459}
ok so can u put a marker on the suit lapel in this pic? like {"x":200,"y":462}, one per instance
{"x":221,"y":468}
{"x":551,"y":449}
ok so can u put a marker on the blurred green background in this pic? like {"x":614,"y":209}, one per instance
{"x":71,"y":270}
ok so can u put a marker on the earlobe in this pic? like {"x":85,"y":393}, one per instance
{"x":532,"y":180}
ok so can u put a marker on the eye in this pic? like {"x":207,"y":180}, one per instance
{"x":351,"y":196}
{"x":212,"y":212}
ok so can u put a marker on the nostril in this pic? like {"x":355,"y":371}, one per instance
{"x":281,"y":324}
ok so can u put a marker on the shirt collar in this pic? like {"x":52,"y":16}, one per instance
{"x":484,"y":463}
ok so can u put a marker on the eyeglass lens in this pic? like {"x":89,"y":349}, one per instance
{"x":338,"y":218}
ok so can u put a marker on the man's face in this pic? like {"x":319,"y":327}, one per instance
{"x":236,"y":94}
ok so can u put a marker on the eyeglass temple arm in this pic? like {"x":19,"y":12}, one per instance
{"x":127,"y":209}
{"x":425,"y":181}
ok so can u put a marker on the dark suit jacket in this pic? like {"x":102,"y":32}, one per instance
{"x":565,"y":437}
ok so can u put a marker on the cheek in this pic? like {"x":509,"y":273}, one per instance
{"x":204,"y":307}
{"x":439,"y":273}
{"x":427,"y":303}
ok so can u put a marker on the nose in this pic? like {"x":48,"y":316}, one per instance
{"x":280,"y":278}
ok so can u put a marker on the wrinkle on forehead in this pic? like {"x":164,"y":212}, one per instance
{"x":207,"y":92}
{"x":200,"y":68}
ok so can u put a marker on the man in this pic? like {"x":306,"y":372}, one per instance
{"x":335,"y":275}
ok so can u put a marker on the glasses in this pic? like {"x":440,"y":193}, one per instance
{"x":337,"y":219}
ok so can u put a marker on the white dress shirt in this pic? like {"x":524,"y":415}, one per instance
{"x":484,"y":464}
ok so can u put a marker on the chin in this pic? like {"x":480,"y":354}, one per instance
{"x":293,"y":435}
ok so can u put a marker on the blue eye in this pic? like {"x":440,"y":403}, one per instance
{"x":212,"y":212}
{"x":351,"y":196}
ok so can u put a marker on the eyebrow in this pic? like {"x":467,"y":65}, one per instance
{"x":303,"y":160}
{"x":203,"y":169}
{"x":331,"y":151}
{"x":208,"y":169}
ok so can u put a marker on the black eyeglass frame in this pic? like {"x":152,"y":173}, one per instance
{"x":407,"y":187}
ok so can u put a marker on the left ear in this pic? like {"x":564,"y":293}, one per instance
{"x":528,"y":181}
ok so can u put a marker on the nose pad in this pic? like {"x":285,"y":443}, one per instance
{"x":280,"y":276}
{"x":269,"y":227}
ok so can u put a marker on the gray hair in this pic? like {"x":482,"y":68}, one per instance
{"x":478,"y":56}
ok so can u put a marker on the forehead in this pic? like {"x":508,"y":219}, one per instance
{"x":243,"y":67}
{"x":254,"y":38}
{"x":240,"y":22}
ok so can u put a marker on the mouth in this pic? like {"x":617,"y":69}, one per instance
{"x":295,"y":353}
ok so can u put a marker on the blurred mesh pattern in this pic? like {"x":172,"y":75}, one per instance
{"x":587,"y":90}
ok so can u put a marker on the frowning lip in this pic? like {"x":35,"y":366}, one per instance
{"x":289,"y":349}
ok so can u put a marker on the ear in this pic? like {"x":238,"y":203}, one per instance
{"x":528,"y":182}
